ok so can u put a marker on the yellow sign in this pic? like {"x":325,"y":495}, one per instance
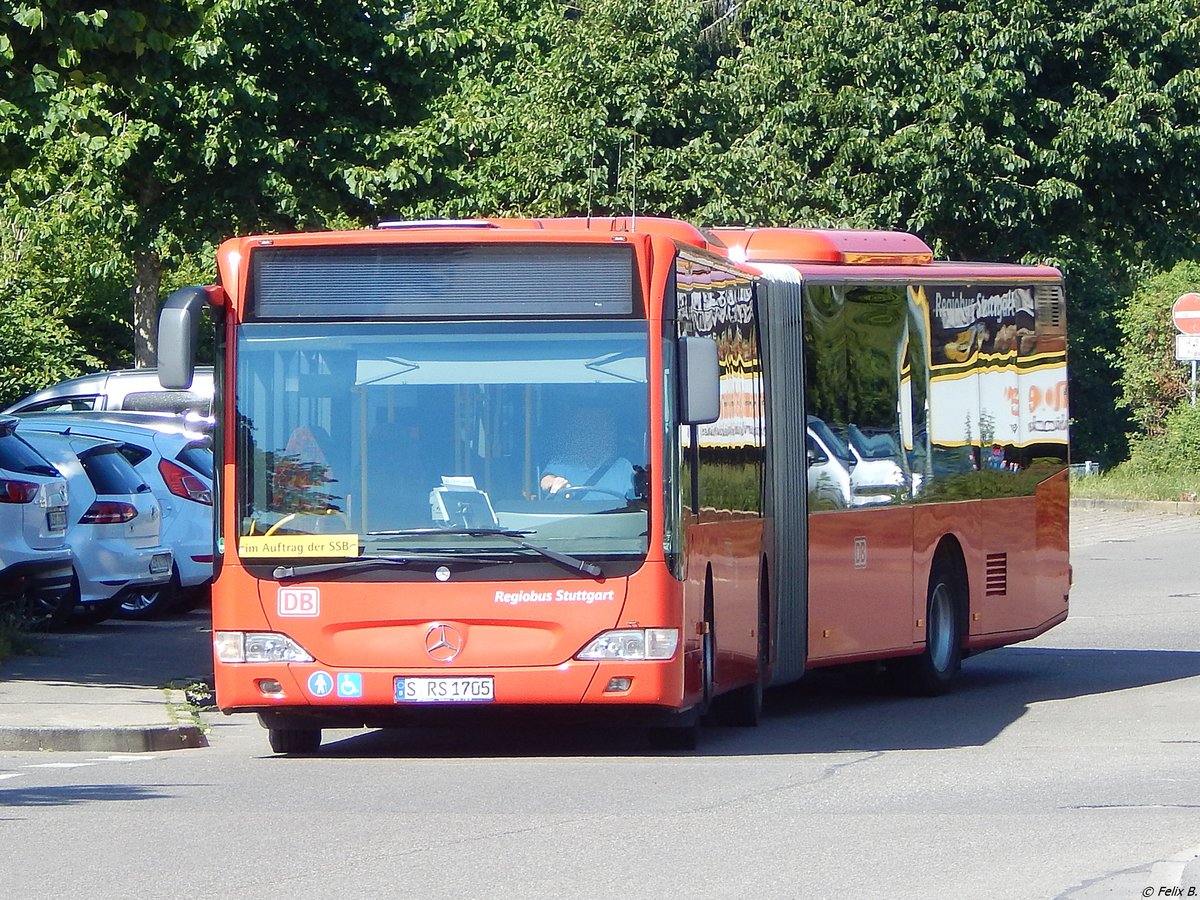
{"x":299,"y":545}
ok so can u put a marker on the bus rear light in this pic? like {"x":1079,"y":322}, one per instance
{"x":183,"y":483}
{"x":632,"y":644}
{"x":258,"y":647}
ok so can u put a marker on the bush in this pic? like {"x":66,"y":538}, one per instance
{"x":1176,"y":450}
{"x":1152,"y":381}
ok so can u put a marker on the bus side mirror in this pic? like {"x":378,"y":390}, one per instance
{"x":699,"y":381}
{"x":178,"y":331}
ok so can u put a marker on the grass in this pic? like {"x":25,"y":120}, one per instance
{"x":14,"y":640}
{"x":1122,"y":484}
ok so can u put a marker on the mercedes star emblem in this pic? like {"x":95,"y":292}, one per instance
{"x":443,"y":642}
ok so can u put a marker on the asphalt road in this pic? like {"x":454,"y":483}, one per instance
{"x":1064,"y":767}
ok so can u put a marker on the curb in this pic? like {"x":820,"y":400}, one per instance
{"x":1161,"y":507}
{"x":103,"y":740}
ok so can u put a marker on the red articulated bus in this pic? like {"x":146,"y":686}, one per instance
{"x":619,"y":467}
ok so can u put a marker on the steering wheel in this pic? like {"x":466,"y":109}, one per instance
{"x":571,"y":492}
{"x":290,"y":516}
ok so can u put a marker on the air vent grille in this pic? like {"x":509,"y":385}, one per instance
{"x":1051,"y":309}
{"x":996,"y":582}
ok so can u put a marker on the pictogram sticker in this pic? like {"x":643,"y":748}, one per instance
{"x":320,"y":684}
{"x":349,"y":684}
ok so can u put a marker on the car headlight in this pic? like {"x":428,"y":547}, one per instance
{"x":258,"y":646}
{"x":631,"y":644}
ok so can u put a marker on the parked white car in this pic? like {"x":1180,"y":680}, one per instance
{"x":830,"y":467}
{"x":877,"y":477}
{"x":123,"y":389}
{"x":176,"y":460}
{"x":35,"y":560}
{"x":114,"y":523}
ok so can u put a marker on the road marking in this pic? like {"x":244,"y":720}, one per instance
{"x":79,"y":765}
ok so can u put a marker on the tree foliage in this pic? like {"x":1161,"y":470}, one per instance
{"x":1032,"y":130}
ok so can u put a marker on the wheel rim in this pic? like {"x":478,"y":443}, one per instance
{"x":941,"y":628}
{"x":139,"y":602}
{"x":36,"y":612}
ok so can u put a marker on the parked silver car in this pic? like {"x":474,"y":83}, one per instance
{"x":35,"y":561}
{"x":114,"y":524}
{"x":176,"y":460}
{"x":124,"y":389}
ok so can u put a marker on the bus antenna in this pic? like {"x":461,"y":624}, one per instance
{"x":633,"y":199}
{"x":591,"y":176}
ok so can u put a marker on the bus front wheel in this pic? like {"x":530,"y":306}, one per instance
{"x":294,"y":740}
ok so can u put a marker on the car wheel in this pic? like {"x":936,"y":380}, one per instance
{"x":41,"y":612}
{"x":153,"y":602}
{"x":193,"y":597}
{"x":95,"y":613}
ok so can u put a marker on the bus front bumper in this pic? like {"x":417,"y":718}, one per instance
{"x":335,"y":697}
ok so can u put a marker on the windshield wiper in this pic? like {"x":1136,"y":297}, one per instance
{"x":375,"y":562}
{"x":579,"y":566}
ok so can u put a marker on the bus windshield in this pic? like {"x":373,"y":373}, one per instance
{"x":417,"y":437}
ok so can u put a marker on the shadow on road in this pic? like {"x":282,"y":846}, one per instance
{"x":69,"y":795}
{"x":826,"y":712}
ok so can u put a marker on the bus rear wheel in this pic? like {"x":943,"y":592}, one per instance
{"x":932,"y":673}
{"x":294,"y":740}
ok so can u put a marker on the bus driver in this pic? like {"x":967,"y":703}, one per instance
{"x":587,"y":457}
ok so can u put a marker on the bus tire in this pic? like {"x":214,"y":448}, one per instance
{"x":932,"y":672}
{"x":742,"y":707}
{"x":708,"y":645}
{"x":294,"y":740}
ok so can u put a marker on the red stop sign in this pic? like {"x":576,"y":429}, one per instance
{"x":1186,"y":313}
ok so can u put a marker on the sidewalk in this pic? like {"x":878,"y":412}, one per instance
{"x":117,"y":687}
{"x":1166,"y":507}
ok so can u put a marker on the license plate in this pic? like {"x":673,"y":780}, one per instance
{"x":160,"y":562}
{"x":56,"y":518}
{"x":444,"y":690}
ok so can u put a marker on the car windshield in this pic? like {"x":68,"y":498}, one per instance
{"x":433,"y":438}
{"x":869,"y":443}
{"x":836,"y":445}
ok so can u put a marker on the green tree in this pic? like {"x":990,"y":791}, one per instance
{"x":1035,"y":130}
{"x":176,"y":124}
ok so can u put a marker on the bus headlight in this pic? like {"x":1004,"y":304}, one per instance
{"x":632,"y":644}
{"x":258,"y":646}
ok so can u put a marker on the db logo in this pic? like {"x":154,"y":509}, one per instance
{"x":299,"y":602}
